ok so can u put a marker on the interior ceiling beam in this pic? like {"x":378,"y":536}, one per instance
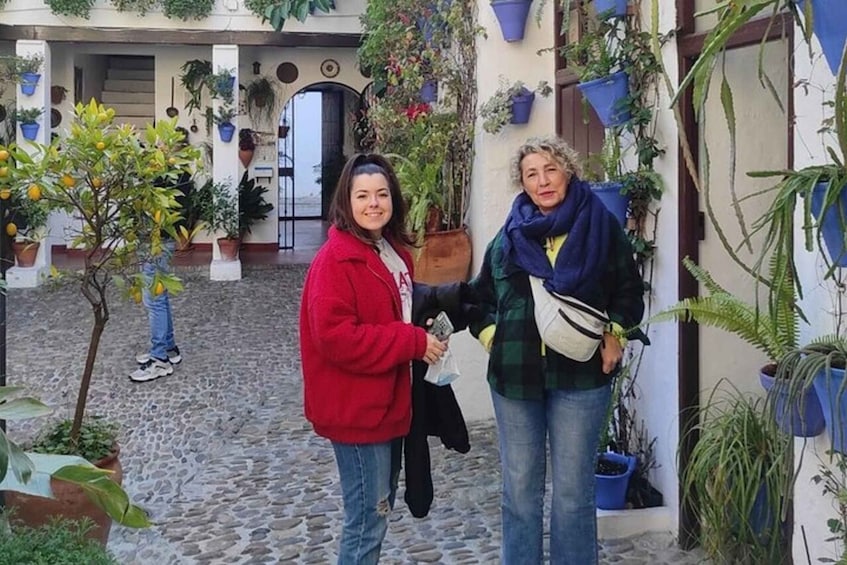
{"x":179,"y":37}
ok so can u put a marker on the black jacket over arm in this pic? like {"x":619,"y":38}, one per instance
{"x":435,"y":411}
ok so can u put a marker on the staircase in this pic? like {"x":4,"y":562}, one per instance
{"x":129,"y":88}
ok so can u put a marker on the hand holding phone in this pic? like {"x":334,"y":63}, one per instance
{"x":441,"y":326}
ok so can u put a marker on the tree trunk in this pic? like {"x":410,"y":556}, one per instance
{"x":85,"y":383}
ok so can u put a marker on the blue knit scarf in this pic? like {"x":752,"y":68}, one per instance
{"x":581,"y":260}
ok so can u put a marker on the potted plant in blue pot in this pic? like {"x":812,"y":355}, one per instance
{"x":28,"y":120}
{"x":510,"y":104}
{"x":26,"y":70}
{"x":223,"y":118}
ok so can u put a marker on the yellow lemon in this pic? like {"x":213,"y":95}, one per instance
{"x":96,"y":182}
{"x":159,"y":288}
{"x":3,"y":154}
{"x":5,"y":194}
{"x":100,"y":146}
{"x":157,"y":216}
{"x":34,"y":192}
{"x":68,"y":180}
{"x":136,"y":295}
{"x":11,"y":229}
{"x":4,"y":171}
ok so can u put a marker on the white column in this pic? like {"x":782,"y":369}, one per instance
{"x":225,"y":159}
{"x":29,"y":277}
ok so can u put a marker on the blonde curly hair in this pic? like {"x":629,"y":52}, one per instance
{"x":551,"y":146}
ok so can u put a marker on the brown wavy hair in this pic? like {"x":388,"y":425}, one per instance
{"x":341,"y":211}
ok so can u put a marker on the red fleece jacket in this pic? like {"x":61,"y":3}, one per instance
{"x":355,"y":348}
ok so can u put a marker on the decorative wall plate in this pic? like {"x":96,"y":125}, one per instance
{"x":287,"y":72}
{"x":330,"y":68}
{"x":55,"y":118}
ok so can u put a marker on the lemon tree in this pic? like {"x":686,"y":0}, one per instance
{"x":110,"y":177}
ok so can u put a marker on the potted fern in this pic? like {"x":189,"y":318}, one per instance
{"x":510,"y":104}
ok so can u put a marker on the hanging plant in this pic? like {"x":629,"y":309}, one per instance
{"x":77,"y":8}
{"x":194,"y":78}
{"x":261,"y":98}
{"x":140,"y":6}
{"x":188,"y":9}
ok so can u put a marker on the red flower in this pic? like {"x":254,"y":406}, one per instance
{"x":414,"y":111}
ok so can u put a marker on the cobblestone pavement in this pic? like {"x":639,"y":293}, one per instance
{"x":220,"y":454}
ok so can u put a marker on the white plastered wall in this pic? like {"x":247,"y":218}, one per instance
{"x":812,"y":509}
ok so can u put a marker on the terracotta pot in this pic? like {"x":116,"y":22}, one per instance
{"x":246,"y":156}
{"x":25,"y":253}
{"x":445,"y":257}
{"x":229,"y":248}
{"x":70,"y":502}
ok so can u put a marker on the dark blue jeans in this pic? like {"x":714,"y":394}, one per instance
{"x":159,"y":307}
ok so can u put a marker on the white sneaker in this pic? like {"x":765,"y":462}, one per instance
{"x":151,"y":370}
{"x":173,"y":356}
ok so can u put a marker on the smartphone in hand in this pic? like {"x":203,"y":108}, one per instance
{"x":441,"y":326}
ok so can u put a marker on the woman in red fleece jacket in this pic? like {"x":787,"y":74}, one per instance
{"x":357,"y":343}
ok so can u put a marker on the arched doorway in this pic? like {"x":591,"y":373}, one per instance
{"x":315,"y":139}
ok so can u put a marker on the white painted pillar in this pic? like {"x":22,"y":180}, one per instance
{"x":225,"y":159}
{"x":29,"y":277}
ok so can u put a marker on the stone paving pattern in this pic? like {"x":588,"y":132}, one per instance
{"x":220,"y":454}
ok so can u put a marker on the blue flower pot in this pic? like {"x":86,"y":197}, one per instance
{"x":611,"y":490}
{"x":834,"y":406}
{"x":429,"y":91}
{"x":805,"y":417}
{"x":522,"y":106}
{"x":433,"y":21}
{"x":28,"y":83}
{"x":29,"y":131}
{"x":610,"y":8}
{"x":830,"y":27}
{"x":226,"y":131}
{"x":832,"y":224}
{"x":606,"y":95}
{"x":616,"y":203}
{"x":512,"y":16}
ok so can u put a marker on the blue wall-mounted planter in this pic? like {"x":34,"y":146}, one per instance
{"x":226,"y":130}
{"x":615,"y":202}
{"x":607,"y":95}
{"x":805,"y":417}
{"x":830,"y":27}
{"x":512,"y":16}
{"x":610,"y":8}
{"x":833,"y":401}
{"x":833,"y":223}
{"x":29,"y":131}
{"x":522,"y":106}
{"x":28,"y":83}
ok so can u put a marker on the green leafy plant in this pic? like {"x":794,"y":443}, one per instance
{"x":221,"y":84}
{"x":16,"y":65}
{"x":18,"y":468}
{"x":77,"y":8}
{"x":60,"y":541}
{"x":188,"y":9}
{"x":224,"y":115}
{"x":252,"y":206}
{"x":194,"y":78}
{"x":261,"y":99}
{"x":496,"y":112}
{"x":28,"y":115}
{"x":96,"y":439}
{"x":217,"y":205}
{"x":736,"y":479}
{"x":834,"y":483}
{"x":598,"y":52}
{"x":276,"y":12}
{"x":108,"y":175}
{"x":29,"y":218}
{"x":140,"y":6}
{"x":399,"y":56}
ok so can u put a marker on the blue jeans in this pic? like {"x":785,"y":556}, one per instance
{"x":572,"y":419}
{"x":369,"y":474}
{"x":159,"y":307}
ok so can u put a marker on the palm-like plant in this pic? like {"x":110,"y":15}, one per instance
{"x":774,"y":332}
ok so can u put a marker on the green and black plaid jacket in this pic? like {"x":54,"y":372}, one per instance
{"x":516,"y":368}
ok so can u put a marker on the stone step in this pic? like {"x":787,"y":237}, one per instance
{"x":125,"y":62}
{"x":131,"y":74}
{"x":110,"y":97}
{"x":129,"y":85}
{"x":134,"y":110}
{"x":140,"y":122}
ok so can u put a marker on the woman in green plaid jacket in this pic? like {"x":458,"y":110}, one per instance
{"x":559,"y":231}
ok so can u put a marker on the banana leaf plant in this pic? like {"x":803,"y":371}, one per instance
{"x":30,"y":473}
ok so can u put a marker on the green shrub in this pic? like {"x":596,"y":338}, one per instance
{"x":61,"y":542}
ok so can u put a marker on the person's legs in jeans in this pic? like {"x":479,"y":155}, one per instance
{"x":368,"y":486}
{"x":522,"y":433}
{"x":158,"y":309}
{"x":574,"y":419}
